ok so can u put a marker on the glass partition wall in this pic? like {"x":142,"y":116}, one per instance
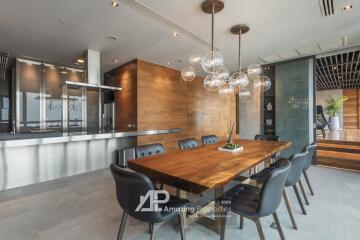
{"x":45,"y":103}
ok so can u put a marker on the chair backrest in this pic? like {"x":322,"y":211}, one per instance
{"x":210,"y":139}
{"x":321,"y":121}
{"x":149,"y":150}
{"x":297,"y":164}
{"x":130,"y":186}
{"x":311,"y":156}
{"x":267,"y":137}
{"x":273,"y":187}
{"x":188,"y":143}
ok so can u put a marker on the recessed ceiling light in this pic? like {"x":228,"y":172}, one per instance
{"x":115,"y":61}
{"x":80,"y":60}
{"x":62,"y":20}
{"x":334,"y":68}
{"x":113,"y":37}
{"x":348,"y":7}
{"x":175,"y":34}
{"x":114,"y":4}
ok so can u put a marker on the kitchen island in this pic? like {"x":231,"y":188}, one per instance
{"x":29,"y":158}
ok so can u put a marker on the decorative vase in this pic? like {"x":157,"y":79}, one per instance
{"x":334,"y":123}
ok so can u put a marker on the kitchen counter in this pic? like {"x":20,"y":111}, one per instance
{"x":30,"y":139}
{"x":29,"y":158}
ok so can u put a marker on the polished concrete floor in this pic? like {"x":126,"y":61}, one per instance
{"x":84,"y":207}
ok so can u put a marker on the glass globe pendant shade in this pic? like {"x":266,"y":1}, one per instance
{"x":188,"y":74}
{"x":266,"y":81}
{"x":212,"y":82}
{"x":239,"y":79}
{"x":212,"y":62}
{"x":195,"y":59}
{"x":226,"y":89}
{"x":224,"y":74}
{"x":254,"y":70}
{"x":258,"y":82}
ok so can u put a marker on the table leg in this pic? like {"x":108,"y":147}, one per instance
{"x":218,"y":210}
{"x":182,"y":194}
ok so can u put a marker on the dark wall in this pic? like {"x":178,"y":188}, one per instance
{"x":5,"y":103}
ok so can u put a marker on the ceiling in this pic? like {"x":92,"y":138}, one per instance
{"x":60,"y":31}
{"x":338,"y":71}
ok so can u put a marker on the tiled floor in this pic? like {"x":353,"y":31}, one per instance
{"x":84,"y":207}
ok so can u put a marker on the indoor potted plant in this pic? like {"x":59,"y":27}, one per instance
{"x":333,"y":107}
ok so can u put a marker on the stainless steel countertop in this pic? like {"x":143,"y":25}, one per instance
{"x":75,"y":137}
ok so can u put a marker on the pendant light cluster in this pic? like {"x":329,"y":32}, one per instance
{"x":218,"y":77}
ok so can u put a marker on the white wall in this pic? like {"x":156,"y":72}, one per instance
{"x":322,"y":96}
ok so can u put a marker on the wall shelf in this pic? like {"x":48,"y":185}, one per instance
{"x":269,"y":97}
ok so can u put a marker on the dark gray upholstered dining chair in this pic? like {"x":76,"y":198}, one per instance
{"x":130,"y":187}
{"x":321,"y":121}
{"x":267,"y":137}
{"x":310,"y":160}
{"x":297,"y":164}
{"x":150,"y":150}
{"x":255,"y":203}
{"x":188,"y":143}
{"x":209,"y":139}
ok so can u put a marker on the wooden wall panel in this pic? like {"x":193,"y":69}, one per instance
{"x":208,"y":112}
{"x":351,"y":109}
{"x":358,"y":108}
{"x":162,"y":103}
{"x":162,"y":100}
{"x":125,"y":100}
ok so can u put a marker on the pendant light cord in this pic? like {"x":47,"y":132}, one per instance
{"x":239,"y":51}
{"x":212,"y":33}
{"x":212,"y":29}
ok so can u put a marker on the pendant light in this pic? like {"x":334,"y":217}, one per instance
{"x":239,"y":79}
{"x":188,"y":74}
{"x":212,"y":61}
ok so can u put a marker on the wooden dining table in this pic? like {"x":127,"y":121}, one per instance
{"x":203,"y":168}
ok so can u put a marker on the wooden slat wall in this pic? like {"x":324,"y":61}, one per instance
{"x":162,"y":100}
{"x":358,"y":108}
{"x":351,"y":109}
{"x":208,"y":112}
{"x":162,"y":103}
{"x":125,"y":100}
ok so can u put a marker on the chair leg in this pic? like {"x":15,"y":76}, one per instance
{"x":303,"y":192}
{"x":155,"y":230}
{"x":182,"y":225}
{"x":241,"y":222}
{"x":299,"y":199}
{"x":223,"y":226}
{"x":151,"y":227}
{"x":308,"y":183}
{"x":121,"y":232}
{"x":260,"y":229}
{"x":288,"y":206}
{"x":278,"y":226}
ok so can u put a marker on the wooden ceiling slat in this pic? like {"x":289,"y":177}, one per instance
{"x":338,"y":71}
{"x":323,"y":77}
{"x":357,"y":70}
{"x":330,"y":81}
